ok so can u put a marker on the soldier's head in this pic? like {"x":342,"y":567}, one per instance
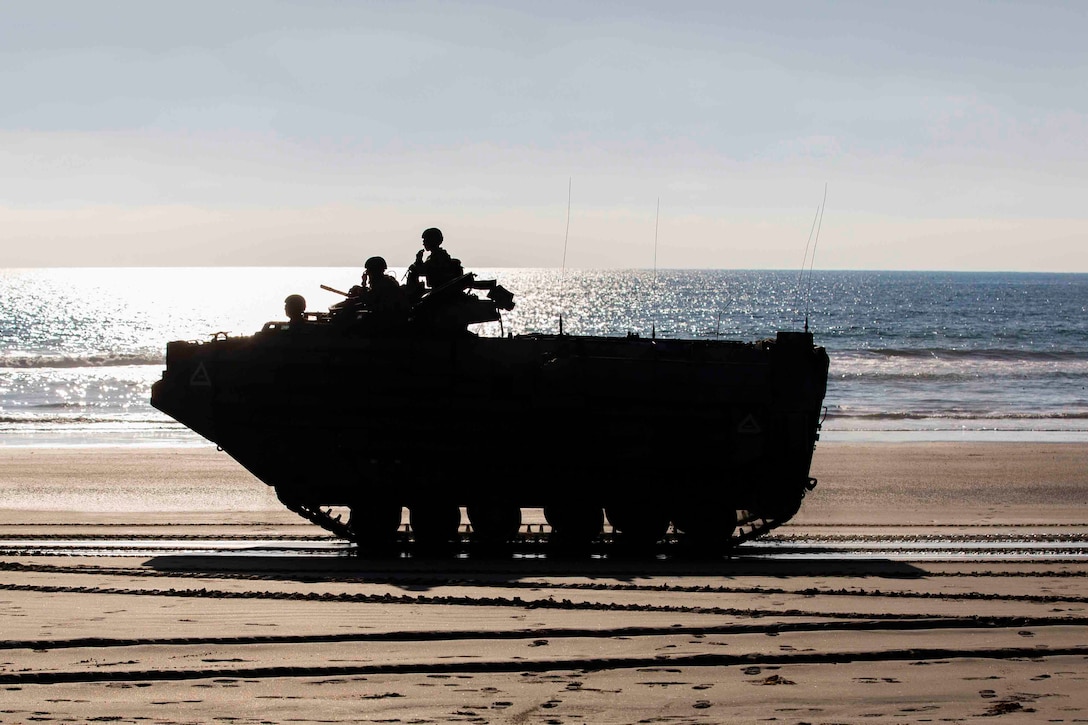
{"x":432,"y":238}
{"x":376,"y":265}
{"x":294,"y":307}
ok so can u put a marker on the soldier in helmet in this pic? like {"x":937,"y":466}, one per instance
{"x":295,"y":309}
{"x":380,"y":296}
{"x":437,"y":269}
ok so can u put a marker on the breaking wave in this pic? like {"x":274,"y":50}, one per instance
{"x":83,"y":420}
{"x":957,"y":415}
{"x":996,"y":354}
{"x":80,"y":361}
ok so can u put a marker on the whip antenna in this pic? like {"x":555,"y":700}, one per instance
{"x":563,"y":269}
{"x":653,"y":289}
{"x":804,"y":260}
{"x":812,"y":259}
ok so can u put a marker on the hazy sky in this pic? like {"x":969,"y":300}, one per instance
{"x":951,"y":135}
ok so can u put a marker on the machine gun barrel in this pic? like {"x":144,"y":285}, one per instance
{"x":333,"y":289}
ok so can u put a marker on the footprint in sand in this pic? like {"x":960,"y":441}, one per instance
{"x":774,"y":680}
{"x":1004,"y":707}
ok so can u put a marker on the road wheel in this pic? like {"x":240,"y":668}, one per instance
{"x":434,"y":525}
{"x":374,"y":524}
{"x":638,"y":524}
{"x":494,"y":523}
{"x":574,"y":525}
{"x":706,"y":528}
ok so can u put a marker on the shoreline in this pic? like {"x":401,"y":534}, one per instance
{"x":15,"y":439}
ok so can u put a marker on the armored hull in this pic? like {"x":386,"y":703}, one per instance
{"x":701,"y":434}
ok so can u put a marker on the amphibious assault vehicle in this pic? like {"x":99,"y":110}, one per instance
{"x":700,"y":441}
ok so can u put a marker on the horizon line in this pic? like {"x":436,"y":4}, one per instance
{"x":794,"y":270}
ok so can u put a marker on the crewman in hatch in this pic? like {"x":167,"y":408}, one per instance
{"x":295,"y":309}
{"x":380,"y":302}
{"x":437,"y":269}
{"x":382,"y":293}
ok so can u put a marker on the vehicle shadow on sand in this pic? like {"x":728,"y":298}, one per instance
{"x":419,"y":572}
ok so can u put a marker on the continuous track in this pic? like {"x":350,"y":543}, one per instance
{"x":748,"y":527}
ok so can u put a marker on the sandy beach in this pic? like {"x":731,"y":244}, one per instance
{"x":180,"y":636}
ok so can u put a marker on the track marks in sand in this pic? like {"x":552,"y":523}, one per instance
{"x":616,"y":582}
{"x":540,"y":637}
{"x":490,"y":651}
{"x":919,"y":655}
{"x":494,"y":643}
{"x":487,"y":584}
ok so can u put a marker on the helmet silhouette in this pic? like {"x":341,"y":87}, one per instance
{"x":294,"y":306}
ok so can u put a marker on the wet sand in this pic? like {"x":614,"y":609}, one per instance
{"x":194,"y":638}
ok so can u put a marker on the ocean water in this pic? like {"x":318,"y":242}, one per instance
{"x":914,"y":355}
